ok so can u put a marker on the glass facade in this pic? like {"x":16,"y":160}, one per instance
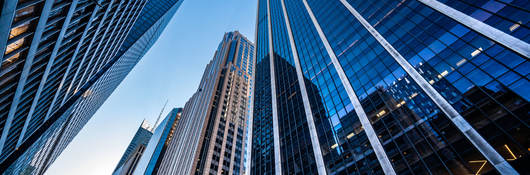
{"x":295,"y":143}
{"x":59,"y":64}
{"x":343,"y":142}
{"x":134,"y":151}
{"x":405,"y":66}
{"x":158,"y":144}
{"x":262,"y":150}
{"x":509,"y":16}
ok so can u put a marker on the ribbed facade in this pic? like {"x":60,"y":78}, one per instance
{"x":391,"y":87}
{"x":61,"y":60}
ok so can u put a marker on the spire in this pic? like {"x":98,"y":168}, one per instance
{"x":160,"y":115}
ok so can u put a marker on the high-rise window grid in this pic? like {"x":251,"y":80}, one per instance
{"x":477,"y":75}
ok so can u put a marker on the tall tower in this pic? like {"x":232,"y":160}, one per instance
{"x":134,"y":151}
{"x":210,"y":135}
{"x":157,"y":148}
{"x":394,"y":87}
{"x":60,"y":62}
{"x":222,"y":141}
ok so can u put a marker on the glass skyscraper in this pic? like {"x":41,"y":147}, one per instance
{"x":156,"y":150}
{"x":134,"y":151}
{"x":60,"y":61}
{"x":391,"y":87}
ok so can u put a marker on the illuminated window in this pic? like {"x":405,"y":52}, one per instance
{"x":13,"y":58}
{"x":476,"y":52}
{"x":14,"y":46}
{"x":19,"y":30}
{"x":7,"y":62}
{"x":515,"y":26}
{"x":381,"y":113}
{"x":350,"y":135}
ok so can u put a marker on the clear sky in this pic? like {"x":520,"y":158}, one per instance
{"x":171,"y":70}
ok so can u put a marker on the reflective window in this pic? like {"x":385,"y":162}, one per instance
{"x":416,"y":135}
{"x":262,"y":136}
{"x":475,"y":74}
{"x":344,"y":145}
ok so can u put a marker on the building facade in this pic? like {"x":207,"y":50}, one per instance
{"x":222,"y":142}
{"x":61,"y":60}
{"x":210,"y":135}
{"x":134,"y":151}
{"x":156,"y":150}
{"x":391,"y":87}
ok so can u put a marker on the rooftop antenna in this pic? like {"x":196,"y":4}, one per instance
{"x":160,"y":115}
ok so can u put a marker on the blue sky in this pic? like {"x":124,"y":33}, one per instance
{"x":170,"y":70}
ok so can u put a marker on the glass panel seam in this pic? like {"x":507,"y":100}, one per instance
{"x":25,"y":71}
{"x":307,"y":108}
{"x":48,"y":69}
{"x":275,"y":129}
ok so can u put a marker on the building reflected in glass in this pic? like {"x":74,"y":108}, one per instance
{"x":391,"y":87}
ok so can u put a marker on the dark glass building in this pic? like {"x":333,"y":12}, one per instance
{"x":391,"y":87}
{"x":134,"y":151}
{"x":61,"y":60}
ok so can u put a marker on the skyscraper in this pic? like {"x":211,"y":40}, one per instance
{"x":222,"y":142}
{"x":134,"y":151}
{"x":156,"y":150}
{"x":61,"y":60}
{"x":210,"y":135}
{"x":394,"y":87}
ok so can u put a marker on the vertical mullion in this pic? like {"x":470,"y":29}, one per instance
{"x":474,"y":137}
{"x":363,"y":118}
{"x":25,"y":71}
{"x":91,"y":60}
{"x":307,"y":107}
{"x":248,"y":163}
{"x":92,"y":40}
{"x":275,"y":125}
{"x":73,"y":59}
{"x":49,"y":66}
